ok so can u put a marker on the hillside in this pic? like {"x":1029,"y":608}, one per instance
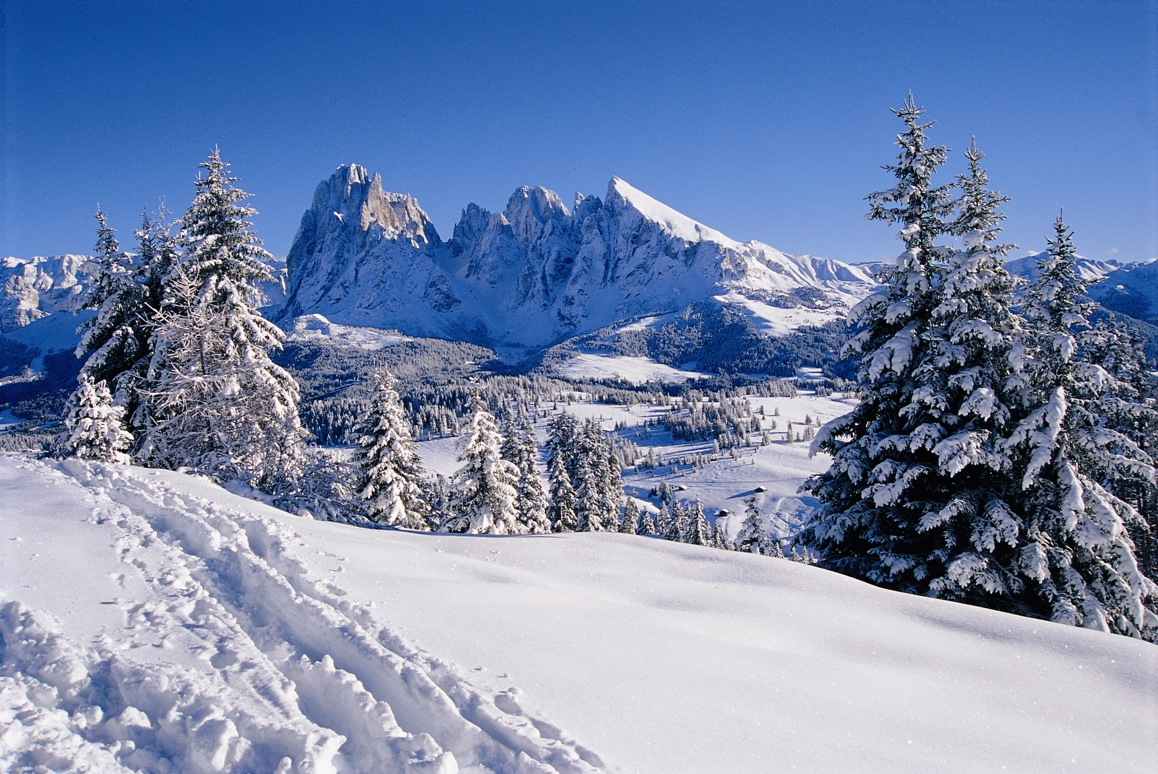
{"x":152,"y":621}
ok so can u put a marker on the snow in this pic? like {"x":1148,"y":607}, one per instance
{"x":152,"y":621}
{"x":779,"y":321}
{"x":676,"y":223}
{"x":635,"y":370}
{"x":315,"y":326}
{"x":53,"y":333}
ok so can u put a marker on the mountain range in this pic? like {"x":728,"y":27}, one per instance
{"x":539,"y":272}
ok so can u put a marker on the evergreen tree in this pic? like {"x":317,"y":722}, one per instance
{"x":588,"y":513}
{"x":1128,"y":407}
{"x":561,"y":510}
{"x":92,"y":427}
{"x":111,"y":336}
{"x":519,"y":448}
{"x":647,"y":524}
{"x":915,"y":498}
{"x":751,"y":535}
{"x":390,"y":472}
{"x":673,"y":525}
{"x":696,"y":530}
{"x":485,"y":494}
{"x":217,"y":403}
{"x":1077,"y":558}
{"x":630,"y":517}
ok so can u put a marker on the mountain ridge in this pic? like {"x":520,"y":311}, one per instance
{"x":536,"y":273}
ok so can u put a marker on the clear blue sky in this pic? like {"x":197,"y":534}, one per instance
{"x":765,"y":120}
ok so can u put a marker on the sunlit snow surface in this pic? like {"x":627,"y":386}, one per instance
{"x":315,"y":326}
{"x":215,"y":633}
{"x":635,"y":370}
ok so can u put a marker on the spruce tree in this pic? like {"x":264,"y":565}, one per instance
{"x":93,"y":428}
{"x":519,"y":448}
{"x":1077,"y":558}
{"x":696,"y":530}
{"x":485,"y":487}
{"x":561,"y":511}
{"x":882,"y":480}
{"x":647,"y":524}
{"x":674,"y":523}
{"x":116,"y":339}
{"x":217,"y":403}
{"x":390,"y":472}
{"x":630,"y":517}
{"x":751,"y":535}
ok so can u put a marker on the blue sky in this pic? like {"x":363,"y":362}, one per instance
{"x":764,"y":120}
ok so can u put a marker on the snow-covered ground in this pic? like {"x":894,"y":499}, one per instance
{"x":315,"y":326}
{"x":635,"y":370}
{"x":152,"y":621}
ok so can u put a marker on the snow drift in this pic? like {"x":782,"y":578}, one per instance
{"x":151,"y":621}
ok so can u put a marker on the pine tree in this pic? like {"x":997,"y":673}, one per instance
{"x":116,"y":339}
{"x":630,"y":517}
{"x":751,"y":534}
{"x":647,"y":525}
{"x":878,"y":487}
{"x":217,"y":403}
{"x":93,"y":427}
{"x":1077,"y":558}
{"x":390,"y":472}
{"x":976,"y":378}
{"x":519,"y":448}
{"x":1128,"y":407}
{"x":696,"y":530}
{"x":485,"y":487}
{"x":561,"y":510}
{"x":588,"y":513}
{"x":672,"y":521}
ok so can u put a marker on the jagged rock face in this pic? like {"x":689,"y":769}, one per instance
{"x":38,"y":287}
{"x":535,"y":273}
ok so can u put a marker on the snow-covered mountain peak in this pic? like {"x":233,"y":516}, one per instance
{"x":529,"y":209}
{"x":624,"y":197}
{"x":535,"y":273}
{"x":352,"y":196}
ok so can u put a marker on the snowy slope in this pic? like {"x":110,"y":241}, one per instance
{"x":536,"y":273}
{"x":39,"y":287}
{"x":153,"y":622}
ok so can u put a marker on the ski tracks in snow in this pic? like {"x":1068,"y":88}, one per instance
{"x":287,"y":674}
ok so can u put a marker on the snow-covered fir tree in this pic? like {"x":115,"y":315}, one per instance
{"x":914,"y":499}
{"x":519,"y":448}
{"x":485,"y":495}
{"x":1128,"y":407}
{"x":647,"y":524}
{"x":588,"y":513}
{"x":561,"y":508}
{"x":627,"y":524}
{"x":93,"y":428}
{"x":390,"y":472}
{"x":674,"y":527}
{"x":696,"y":530}
{"x":217,"y":403}
{"x":1076,"y":556}
{"x":751,"y":535}
{"x":113,"y":338}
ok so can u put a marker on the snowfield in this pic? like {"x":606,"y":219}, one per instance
{"x":151,"y":621}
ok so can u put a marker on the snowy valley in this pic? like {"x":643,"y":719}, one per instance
{"x":558,"y":379}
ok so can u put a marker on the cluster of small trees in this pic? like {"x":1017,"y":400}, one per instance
{"x":498,"y":489}
{"x":1003,"y":445}
{"x":178,"y":373}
